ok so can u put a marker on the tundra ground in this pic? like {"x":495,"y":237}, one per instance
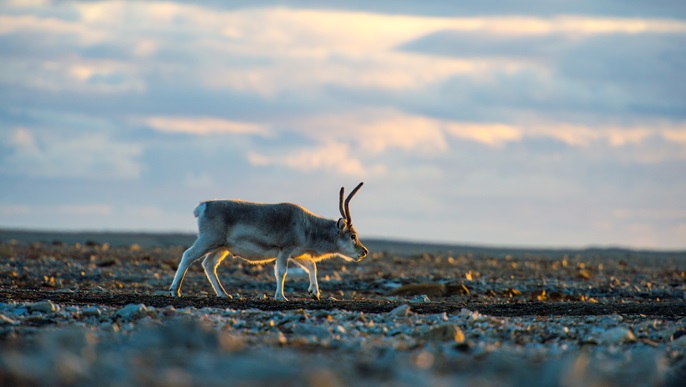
{"x":407,"y":313}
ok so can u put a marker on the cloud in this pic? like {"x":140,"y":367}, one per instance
{"x":377,"y":131}
{"x":573,"y":135}
{"x":293,"y":48}
{"x":374,"y":130}
{"x":675,"y":135}
{"x":488,"y":134}
{"x":23,"y":139}
{"x":86,"y":156}
{"x":28,"y":3}
{"x":560,"y":73}
{"x":71,"y":75}
{"x":335,"y":157}
{"x":203,"y":126}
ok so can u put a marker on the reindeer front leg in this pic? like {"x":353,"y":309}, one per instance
{"x":280,"y":271}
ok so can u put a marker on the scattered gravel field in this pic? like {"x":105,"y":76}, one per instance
{"x":87,"y":309}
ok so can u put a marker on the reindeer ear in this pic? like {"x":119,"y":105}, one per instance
{"x":341,"y":223}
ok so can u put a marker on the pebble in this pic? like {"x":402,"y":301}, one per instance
{"x":466,"y":314}
{"x":209,"y":346}
{"x":41,"y":306}
{"x":91,"y":311}
{"x":445,"y":332}
{"x":616,"y":336}
{"x":400,"y":311}
{"x":420,"y":299}
{"x":679,"y":343}
{"x":4,"y":320}
{"x":99,"y":290}
{"x":132,"y":312}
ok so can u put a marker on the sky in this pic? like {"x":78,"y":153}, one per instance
{"x":555,"y":123}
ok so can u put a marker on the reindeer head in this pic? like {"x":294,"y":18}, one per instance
{"x":348,"y":242}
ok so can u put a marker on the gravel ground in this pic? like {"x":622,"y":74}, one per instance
{"x":84,"y":313}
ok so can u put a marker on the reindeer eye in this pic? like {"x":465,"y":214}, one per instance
{"x":353,"y":236}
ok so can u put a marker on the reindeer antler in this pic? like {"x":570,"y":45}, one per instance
{"x":347,"y":202}
{"x":340,"y":204}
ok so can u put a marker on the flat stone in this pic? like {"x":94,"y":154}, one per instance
{"x":4,"y":320}
{"x":42,"y":306}
{"x":680,"y":342}
{"x":434,"y":289}
{"x":91,"y":311}
{"x":132,"y":312}
{"x":444,"y":332}
{"x":420,"y":299}
{"x":400,"y":311}
{"x":616,"y":336}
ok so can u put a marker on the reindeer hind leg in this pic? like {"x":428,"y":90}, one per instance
{"x":311,"y":268}
{"x":210,"y":264}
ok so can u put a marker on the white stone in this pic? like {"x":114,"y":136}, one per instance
{"x":132,"y":311}
{"x":401,"y":311}
{"x":4,"y":320}
{"x":42,"y":306}
{"x":420,"y":299}
{"x":616,"y":336}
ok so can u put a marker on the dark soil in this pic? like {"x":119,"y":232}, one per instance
{"x":664,"y":310}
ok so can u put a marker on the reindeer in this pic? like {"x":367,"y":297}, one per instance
{"x":260,"y":233}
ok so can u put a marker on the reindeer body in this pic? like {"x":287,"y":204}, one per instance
{"x":261,"y":233}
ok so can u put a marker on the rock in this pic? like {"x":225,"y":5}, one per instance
{"x":42,"y":306}
{"x":99,"y":290}
{"x":444,"y":332}
{"x":467,"y":314}
{"x":91,"y":311}
{"x":420,"y":299}
{"x":4,"y":320}
{"x":538,"y":295}
{"x":401,"y":311}
{"x":38,"y":320}
{"x":391,"y":285}
{"x":132,"y":312}
{"x":70,"y":339}
{"x":679,"y":343}
{"x":435,"y":290}
{"x":320,"y":332}
{"x":457,"y":288}
{"x":616,"y":336}
{"x":677,"y":333}
{"x":419,"y":289}
{"x":585,"y":274}
{"x":107,"y":262}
